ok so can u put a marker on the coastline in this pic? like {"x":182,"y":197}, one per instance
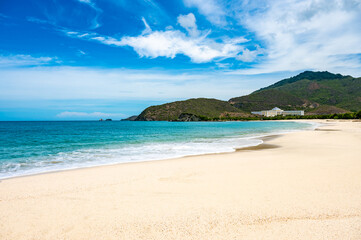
{"x":307,"y":186}
{"x":313,"y":125}
{"x":262,"y":138}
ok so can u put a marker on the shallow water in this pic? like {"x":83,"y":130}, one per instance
{"x":36,"y":147}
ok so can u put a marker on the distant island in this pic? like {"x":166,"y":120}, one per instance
{"x":315,"y":93}
{"x":107,"y":120}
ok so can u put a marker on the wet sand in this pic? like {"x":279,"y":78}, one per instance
{"x":303,"y":185}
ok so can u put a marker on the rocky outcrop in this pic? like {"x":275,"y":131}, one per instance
{"x":131,"y":118}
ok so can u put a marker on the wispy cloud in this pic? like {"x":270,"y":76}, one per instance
{"x":212,"y":9}
{"x":255,"y":36}
{"x":95,"y":21}
{"x":147,"y":27}
{"x":3,"y":16}
{"x":86,"y":115}
{"x":72,"y":83}
{"x":60,"y":15}
{"x":24,"y":61}
{"x":37,"y":20}
{"x":297,"y":35}
{"x":80,"y":53}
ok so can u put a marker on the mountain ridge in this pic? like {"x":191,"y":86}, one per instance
{"x":194,"y":109}
{"x":310,"y":75}
{"x":308,"y":91}
{"x":315,"y":92}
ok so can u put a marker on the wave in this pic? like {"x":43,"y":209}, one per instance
{"x":139,"y":152}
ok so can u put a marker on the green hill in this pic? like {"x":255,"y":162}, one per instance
{"x":191,"y":110}
{"x":318,"y":93}
{"x":314,"y":92}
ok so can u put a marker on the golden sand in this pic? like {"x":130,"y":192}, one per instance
{"x":304,"y":185}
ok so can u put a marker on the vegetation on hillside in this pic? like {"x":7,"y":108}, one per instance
{"x":325,"y":110}
{"x":310,"y":91}
{"x":348,"y":115}
{"x":310,"y":75}
{"x":197,"y":109}
{"x":267,"y":99}
{"x":320,"y":94}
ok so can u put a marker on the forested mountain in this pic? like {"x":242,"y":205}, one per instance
{"x":315,"y":92}
{"x":195,"y":109}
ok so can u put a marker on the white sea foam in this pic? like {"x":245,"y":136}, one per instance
{"x":133,"y":153}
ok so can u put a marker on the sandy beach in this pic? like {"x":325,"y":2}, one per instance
{"x":303,"y":185}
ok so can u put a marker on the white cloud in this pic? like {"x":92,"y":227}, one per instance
{"x":172,"y":42}
{"x":212,"y":9}
{"x":294,"y":35}
{"x":188,"y":22}
{"x":309,"y":34}
{"x":249,"y":56}
{"x":23,"y":61}
{"x":168,"y":43}
{"x":91,"y":115}
{"x":224,"y":65}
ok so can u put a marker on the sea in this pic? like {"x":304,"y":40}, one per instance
{"x":45,"y":146}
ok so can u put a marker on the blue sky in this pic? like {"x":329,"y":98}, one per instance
{"x":87,"y":59}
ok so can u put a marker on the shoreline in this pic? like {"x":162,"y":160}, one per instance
{"x":308,"y":187}
{"x":141,"y":161}
{"x":260,"y":137}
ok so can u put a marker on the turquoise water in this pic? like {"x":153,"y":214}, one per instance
{"x":36,"y":147}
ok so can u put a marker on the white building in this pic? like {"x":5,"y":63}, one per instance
{"x":277,"y":111}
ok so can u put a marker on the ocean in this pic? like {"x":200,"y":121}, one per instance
{"x":38,"y":147}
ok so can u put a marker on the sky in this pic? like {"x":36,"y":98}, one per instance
{"x":91,"y":59}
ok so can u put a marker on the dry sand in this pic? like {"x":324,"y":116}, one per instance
{"x":304,"y":185}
